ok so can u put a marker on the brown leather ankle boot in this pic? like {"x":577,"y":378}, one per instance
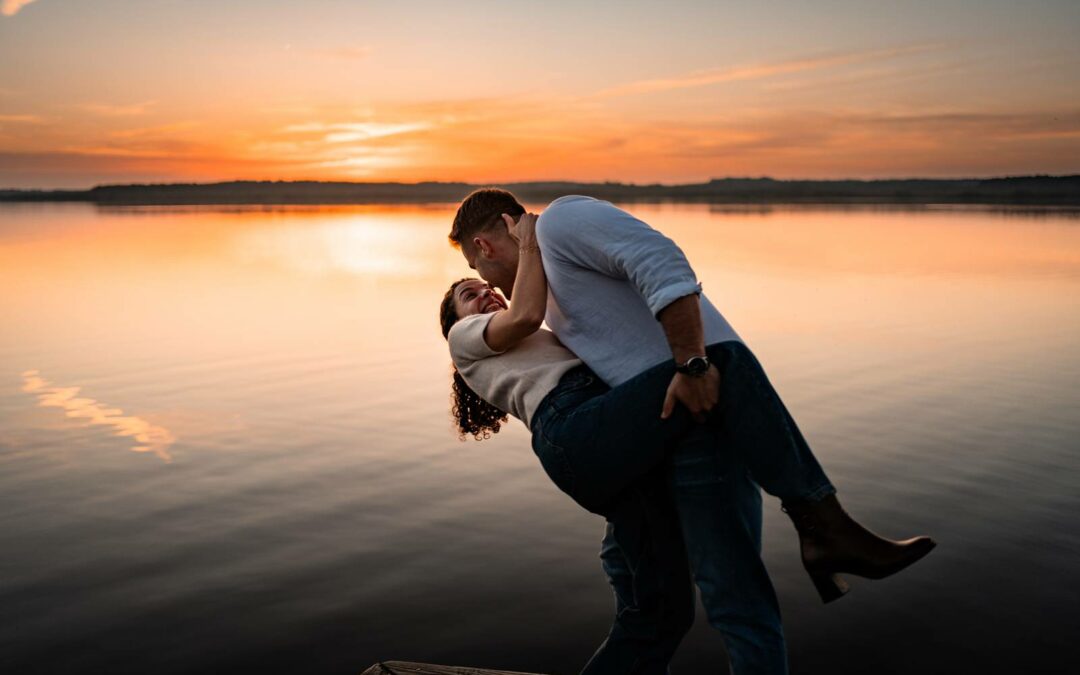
{"x":832,"y":542}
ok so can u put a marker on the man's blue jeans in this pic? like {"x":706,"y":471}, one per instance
{"x":596,"y":443}
{"x":646,"y":563}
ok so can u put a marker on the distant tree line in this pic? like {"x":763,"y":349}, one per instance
{"x":1031,"y":190}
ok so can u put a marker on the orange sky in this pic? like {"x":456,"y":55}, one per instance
{"x":121,"y":90}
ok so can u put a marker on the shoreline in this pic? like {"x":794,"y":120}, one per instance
{"x":1020,"y":191}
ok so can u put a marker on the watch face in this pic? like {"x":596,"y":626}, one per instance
{"x":699,"y":365}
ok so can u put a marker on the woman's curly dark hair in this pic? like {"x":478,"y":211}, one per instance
{"x":472,"y":414}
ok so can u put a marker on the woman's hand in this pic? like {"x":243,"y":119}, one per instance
{"x":529,"y":300}
{"x":524,"y":230}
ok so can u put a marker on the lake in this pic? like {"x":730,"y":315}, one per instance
{"x":225,"y":443}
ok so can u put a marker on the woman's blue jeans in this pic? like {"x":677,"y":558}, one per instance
{"x":604,"y":447}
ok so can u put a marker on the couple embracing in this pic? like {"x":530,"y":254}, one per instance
{"x":647,"y":408}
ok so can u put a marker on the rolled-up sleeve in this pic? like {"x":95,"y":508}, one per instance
{"x":599,"y":236}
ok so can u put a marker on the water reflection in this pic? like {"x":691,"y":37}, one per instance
{"x":930,"y":356}
{"x":149,"y":437}
{"x":363,"y":247}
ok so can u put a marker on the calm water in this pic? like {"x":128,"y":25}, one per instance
{"x":224,"y":442}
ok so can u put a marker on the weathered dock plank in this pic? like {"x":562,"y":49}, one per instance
{"x":408,"y":668}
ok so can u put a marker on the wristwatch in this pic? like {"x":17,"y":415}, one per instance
{"x":695,"y":366}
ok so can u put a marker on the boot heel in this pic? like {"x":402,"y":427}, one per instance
{"x":829,"y":586}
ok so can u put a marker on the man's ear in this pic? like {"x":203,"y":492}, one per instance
{"x":483,"y":246}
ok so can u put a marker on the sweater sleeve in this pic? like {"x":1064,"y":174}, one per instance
{"x":596,"y":235}
{"x":466,"y":338}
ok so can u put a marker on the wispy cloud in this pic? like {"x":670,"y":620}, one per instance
{"x":839,"y":144}
{"x":179,"y":140}
{"x":363,"y":132}
{"x":161,"y":130}
{"x":347,"y":132}
{"x":993,"y":127}
{"x":882,"y":76}
{"x":357,"y":148}
{"x":561,"y":137}
{"x":10,"y":7}
{"x":702,"y":78}
{"x":114,"y":110}
{"x":432,"y":139}
{"x":23,"y":119}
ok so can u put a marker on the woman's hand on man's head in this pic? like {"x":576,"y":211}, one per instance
{"x":523,"y":230}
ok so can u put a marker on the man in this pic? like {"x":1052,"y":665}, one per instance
{"x":623,"y":297}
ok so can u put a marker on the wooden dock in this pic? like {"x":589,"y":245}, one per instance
{"x":408,"y":668}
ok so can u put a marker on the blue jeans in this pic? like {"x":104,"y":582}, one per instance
{"x":646,"y":563}
{"x":596,"y":443}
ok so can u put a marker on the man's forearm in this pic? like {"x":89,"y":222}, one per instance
{"x":682,"y":326}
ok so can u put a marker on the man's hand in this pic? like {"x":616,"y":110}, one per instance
{"x":698,"y":394}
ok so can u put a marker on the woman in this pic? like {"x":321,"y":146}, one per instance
{"x":595,"y":442}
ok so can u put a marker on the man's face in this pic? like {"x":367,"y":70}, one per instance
{"x":495,"y":260}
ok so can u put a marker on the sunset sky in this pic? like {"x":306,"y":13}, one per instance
{"x":158,"y":90}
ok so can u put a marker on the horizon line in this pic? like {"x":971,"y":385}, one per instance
{"x":538,"y":182}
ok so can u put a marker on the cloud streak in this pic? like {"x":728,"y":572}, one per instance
{"x":548,"y":138}
{"x":703,"y":78}
{"x":11,"y":7}
{"x":113,"y":110}
{"x":347,"y":132}
{"x":22,"y":119}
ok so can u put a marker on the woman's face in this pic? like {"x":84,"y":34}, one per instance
{"x":476,"y":297}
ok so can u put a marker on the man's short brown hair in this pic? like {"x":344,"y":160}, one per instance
{"x":481,"y":210}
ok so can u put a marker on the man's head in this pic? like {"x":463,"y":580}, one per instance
{"x":480,"y":232}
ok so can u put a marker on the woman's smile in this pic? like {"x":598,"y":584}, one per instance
{"x":477,"y":297}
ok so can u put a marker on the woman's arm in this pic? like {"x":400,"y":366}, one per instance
{"x":529,"y":301}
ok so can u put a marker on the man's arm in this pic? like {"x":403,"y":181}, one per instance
{"x":602,"y":237}
{"x":682,"y":326}
{"x":598,"y":236}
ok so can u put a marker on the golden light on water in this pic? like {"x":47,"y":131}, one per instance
{"x":368,"y":243}
{"x":148,"y":437}
{"x":178,"y":291}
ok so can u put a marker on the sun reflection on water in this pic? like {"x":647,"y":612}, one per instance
{"x":363,"y":244}
{"x":149,"y":437}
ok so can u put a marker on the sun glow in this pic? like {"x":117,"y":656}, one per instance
{"x":346,"y":92}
